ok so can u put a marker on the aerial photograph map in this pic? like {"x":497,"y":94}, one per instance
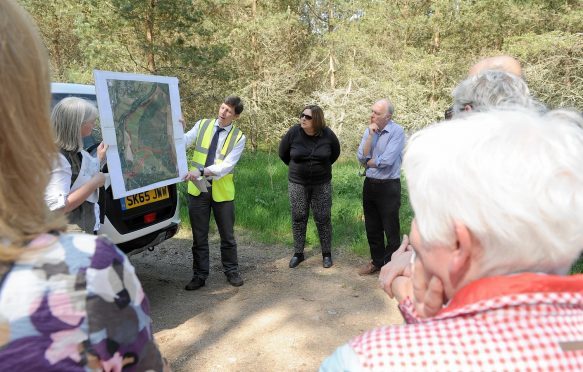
{"x":144,"y":132}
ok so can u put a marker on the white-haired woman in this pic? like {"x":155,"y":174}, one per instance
{"x":498,"y":207}
{"x":68,"y":301}
{"x":76,"y":178}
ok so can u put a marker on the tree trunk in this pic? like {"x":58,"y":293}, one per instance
{"x":332,"y":69}
{"x":58,"y":54}
{"x":150,"y":21}
{"x":254,"y":76}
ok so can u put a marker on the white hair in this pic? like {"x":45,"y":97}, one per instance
{"x":390,"y":106}
{"x":514,"y":178}
{"x":490,"y":90}
{"x":67,"y":117}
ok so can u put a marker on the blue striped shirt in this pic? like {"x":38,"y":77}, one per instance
{"x":387,"y":152}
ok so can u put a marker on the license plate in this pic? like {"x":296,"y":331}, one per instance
{"x":144,"y":198}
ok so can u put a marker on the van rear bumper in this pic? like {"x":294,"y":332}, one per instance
{"x":148,"y":241}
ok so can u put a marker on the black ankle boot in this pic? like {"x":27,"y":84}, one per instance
{"x":295,"y":260}
{"x":327,"y":261}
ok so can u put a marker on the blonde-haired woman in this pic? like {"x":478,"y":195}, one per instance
{"x":68,"y":302}
{"x":75,"y":179}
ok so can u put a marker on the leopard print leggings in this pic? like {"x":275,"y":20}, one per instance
{"x":319,"y":199}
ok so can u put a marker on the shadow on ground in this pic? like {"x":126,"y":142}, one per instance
{"x":281,"y":319}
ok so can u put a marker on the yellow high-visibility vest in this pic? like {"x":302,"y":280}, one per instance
{"x":224,"y":188}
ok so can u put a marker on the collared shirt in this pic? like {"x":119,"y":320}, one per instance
{"x":227,"y":165}
{"x":517,"y":322}
{"x":387,"y":152}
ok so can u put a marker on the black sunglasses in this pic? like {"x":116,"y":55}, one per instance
{"x":302,"y":115}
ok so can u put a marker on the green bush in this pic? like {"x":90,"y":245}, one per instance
{"x":578,"y":266}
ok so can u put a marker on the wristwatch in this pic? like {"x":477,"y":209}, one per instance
{"x":201,"y":170}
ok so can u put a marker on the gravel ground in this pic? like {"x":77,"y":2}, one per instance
{"x":280,"y":319}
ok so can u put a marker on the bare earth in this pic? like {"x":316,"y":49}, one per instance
{"x":282,"y":319}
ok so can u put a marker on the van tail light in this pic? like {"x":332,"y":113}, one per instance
{"x":150,"y":217}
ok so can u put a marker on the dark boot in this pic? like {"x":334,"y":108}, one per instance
{"x":295,"y":260}
{"x":327,"y":261}
{"x":195,"y":284}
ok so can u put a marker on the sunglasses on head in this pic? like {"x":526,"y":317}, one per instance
{"x":302,"y":115}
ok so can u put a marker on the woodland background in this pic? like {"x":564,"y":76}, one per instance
{"x":341,"y":54}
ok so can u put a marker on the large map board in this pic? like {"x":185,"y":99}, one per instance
{"x":139,"y":117}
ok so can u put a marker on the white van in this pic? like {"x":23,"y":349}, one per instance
{"x":135,"y":222}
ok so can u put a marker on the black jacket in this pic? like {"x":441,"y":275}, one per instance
{"x":309,"y":158}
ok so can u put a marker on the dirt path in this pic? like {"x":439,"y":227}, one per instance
{"x":281,"y":320}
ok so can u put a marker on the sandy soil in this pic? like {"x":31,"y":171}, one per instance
{"x":282,"y":319}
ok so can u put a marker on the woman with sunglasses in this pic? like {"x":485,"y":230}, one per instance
{"x":309,"y":149}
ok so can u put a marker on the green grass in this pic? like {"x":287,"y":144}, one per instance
{"x":262,"y":204}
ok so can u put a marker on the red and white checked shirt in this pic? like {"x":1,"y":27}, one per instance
{"x":525,"y":322}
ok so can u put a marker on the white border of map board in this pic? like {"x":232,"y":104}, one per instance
{"x":109,"y":136}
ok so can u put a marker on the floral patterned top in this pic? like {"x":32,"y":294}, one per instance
{"x":74,"y":303}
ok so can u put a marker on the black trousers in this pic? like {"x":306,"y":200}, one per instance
{"x":319,"y":199}
{"x":381,"y":200}
{"x":199,"y":210}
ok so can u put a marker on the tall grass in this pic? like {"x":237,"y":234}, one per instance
{"x":262,"y":204}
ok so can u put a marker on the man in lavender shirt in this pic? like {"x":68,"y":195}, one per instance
{"x":380,"y":152}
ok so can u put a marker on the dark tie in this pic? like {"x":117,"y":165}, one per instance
{"x":210,"y":158}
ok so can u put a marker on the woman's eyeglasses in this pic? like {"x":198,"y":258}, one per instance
{"x":302,"y":115}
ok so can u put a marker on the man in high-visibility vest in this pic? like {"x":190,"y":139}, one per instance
{"x":218,"y":145}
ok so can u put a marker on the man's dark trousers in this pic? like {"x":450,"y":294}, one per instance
{"x":381,"y":200}
{"x":199,"y":209}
